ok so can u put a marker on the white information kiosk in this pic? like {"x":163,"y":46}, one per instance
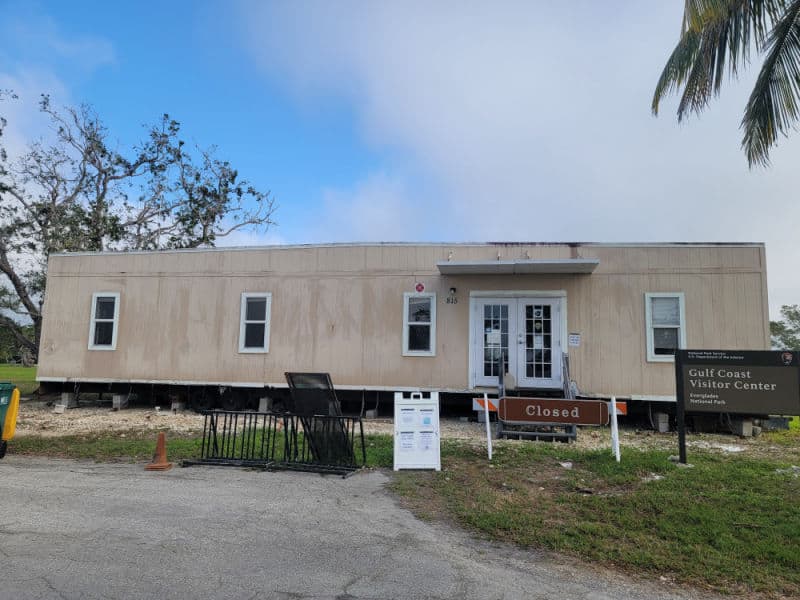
{"x":416,"y":431}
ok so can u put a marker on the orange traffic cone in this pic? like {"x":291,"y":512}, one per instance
{"x":159,"y":462}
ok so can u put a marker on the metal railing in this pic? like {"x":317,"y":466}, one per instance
{"x":324,"y":444}
{"x":569,"y":393}
{"x":234,"y":438}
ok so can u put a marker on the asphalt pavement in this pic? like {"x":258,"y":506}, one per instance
{"x":83,"y":530}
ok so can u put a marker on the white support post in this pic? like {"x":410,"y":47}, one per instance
{"x":614,"y":429}
{"x":488,"y":426}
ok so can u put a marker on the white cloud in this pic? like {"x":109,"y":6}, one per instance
{"x":376,"y":209}
{"x":39,"y":58}
{"x":39,"y":38}
{"x":242,"y":237}
{"x":532,"y":121}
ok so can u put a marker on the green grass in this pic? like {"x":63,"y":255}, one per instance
{"x":106,"y":447}
{"x":23,"y":377}
{"x":729,"y":523}
{"x":380,"y":450}
{"x":139,"y":446}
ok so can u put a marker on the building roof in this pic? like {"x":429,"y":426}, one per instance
{"x":425,"y":244}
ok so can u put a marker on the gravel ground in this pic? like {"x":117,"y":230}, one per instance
{"x":36,"y":418}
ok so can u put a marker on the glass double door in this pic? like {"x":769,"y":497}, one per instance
{"x":527,"y":331}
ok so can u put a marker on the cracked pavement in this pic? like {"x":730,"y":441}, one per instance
{"x":73,"y":529}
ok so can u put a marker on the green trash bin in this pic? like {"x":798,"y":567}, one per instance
{"x":7,"y":409}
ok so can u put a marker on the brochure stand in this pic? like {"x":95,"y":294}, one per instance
{"x":416,"y":431}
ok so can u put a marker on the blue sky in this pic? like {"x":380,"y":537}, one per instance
{"x":421,"y":121}
{"x":135,"y":63}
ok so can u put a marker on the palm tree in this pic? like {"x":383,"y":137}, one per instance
{"x":716,"y":34}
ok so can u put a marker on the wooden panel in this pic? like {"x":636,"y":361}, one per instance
{"x":339,"y":309}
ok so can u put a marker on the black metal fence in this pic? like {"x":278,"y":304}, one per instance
{"x":234,"y":438}
{"x":323,"y":444}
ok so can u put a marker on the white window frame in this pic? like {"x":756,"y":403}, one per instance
{"x":243,"y":322}
{"x":93,"y":321}
{"x":651,"y":354}
{"x":406,"y":297}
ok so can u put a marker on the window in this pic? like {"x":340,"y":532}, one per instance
{"x":104,"y":321}
{"x":666,"y":325}
{"x":254,"y":322}
{"x":419,"y":324}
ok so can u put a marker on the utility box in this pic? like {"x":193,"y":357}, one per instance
{"x":661,"y":422}
{"x":742,"y":427}
{"x":119,"y":401}
{"x":9,"y":406}
{"x":416,"y":431}
{"x":68,"y":400}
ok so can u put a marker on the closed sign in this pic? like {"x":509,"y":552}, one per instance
{"x":551,"y":410}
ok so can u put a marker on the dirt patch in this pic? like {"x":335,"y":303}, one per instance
{"x":36,"y":418}
{"x":39,"y":419}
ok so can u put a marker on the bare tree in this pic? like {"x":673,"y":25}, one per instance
{"x":78,"y":191}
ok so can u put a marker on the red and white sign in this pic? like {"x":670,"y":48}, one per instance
{"x":478,"y":404}
{"x":420,"y":288}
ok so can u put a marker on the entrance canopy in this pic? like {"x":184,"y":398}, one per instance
{"x":518,"y":266}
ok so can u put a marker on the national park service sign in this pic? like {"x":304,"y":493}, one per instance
{"x":740,"y":382}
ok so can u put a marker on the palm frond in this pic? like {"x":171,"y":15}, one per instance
{"x":773,"y":105}
{"x":715,"y":34}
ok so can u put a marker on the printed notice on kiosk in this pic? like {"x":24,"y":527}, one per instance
{"x":406,"y":440}
{"x":426,"y":440}
{"x":408,"y":416}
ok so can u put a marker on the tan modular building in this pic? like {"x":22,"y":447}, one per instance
{"x":401,"y":316}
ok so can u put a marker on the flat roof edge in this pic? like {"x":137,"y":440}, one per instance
{"x":415,"y":244}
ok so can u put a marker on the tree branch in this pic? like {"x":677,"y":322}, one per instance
{"x":18,"y":333}
{"x":18,"y":284}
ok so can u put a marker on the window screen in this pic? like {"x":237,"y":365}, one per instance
{"x":419,"y":324}
{"x":103,"y":329}
{"x":254,"y":325}
{"x":665,"y":329}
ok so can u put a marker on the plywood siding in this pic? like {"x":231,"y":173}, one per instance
{"x":339,"y":309}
